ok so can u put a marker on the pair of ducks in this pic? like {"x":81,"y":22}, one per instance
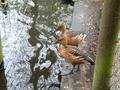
{"x":69,"y":50}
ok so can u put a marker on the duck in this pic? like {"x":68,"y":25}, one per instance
{"x":72,"y":55}
{"x":68,"y":37}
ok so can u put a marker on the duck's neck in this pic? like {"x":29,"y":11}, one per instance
{"x":63,"y":30}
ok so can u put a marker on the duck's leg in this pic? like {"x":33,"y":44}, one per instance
{"x":76,"y":67}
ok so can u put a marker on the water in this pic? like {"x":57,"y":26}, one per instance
{"x":31,"y":58}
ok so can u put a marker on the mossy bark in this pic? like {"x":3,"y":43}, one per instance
{"x":109,"y":29}
{"x":1,"y":54}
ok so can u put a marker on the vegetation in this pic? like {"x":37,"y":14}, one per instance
{"x":109,"y":29}
{"x":1,"y":55}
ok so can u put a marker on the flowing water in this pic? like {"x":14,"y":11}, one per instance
{"x":31,"y":58}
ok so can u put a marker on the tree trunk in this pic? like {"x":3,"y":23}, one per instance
{"x":109,"y":30}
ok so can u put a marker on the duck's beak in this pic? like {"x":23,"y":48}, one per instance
{"x":56,"y":41}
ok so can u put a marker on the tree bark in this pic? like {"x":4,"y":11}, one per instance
{"x":109,"y":30}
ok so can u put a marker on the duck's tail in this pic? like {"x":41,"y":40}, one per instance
{"x":87,"y":58}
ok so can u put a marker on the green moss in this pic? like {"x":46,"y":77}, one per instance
{"x":109,"y":29}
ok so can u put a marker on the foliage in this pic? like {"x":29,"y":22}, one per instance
{"x":1,"y":55}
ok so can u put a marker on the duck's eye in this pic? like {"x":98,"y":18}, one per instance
{"x":61,"y":39}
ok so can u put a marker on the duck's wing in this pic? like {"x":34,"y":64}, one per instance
{"x":73,"y":50}
{"x":70,"y":33}
{"x":75,"y":35}
{"x":76,"y":51}
{"x":87,"y":58}
{"x":78,"y":38}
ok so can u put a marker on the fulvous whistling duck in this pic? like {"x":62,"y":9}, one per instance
{"x":72,"y":54}
{"x":69,"y":37}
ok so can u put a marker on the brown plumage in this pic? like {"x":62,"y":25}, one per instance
{"x":72,"y":54}
{"x":69,"y":37}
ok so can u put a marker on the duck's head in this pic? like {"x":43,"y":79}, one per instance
{"x":61,"y":27}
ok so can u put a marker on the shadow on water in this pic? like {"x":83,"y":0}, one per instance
{"x":46,"y":15}
{"x":2,"y":78}
{"x":31,"y":57}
